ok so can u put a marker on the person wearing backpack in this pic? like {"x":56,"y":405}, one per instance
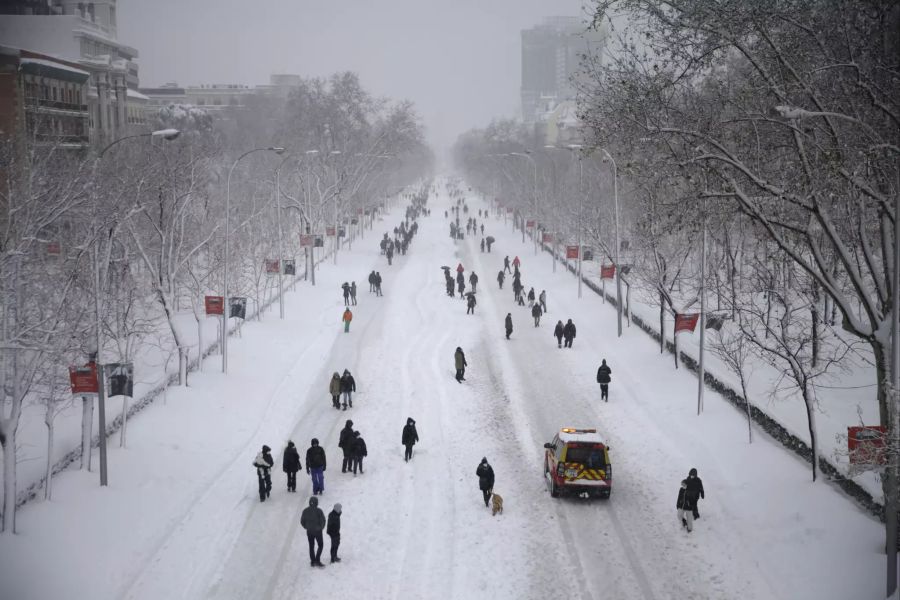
{"x":603,"y":378}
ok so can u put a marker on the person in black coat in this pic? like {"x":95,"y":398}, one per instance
{"x":695,"y":491}
{"x":348,"y":386}
{"x":508,"y":323}
{"x":500,"y":278}
{"x":263,"y":463}
{"x":312,"y":519}
{"x":569,"y":333}
{"x":686,"y":506}
{"x":346,"y":288}
{"x":558,"y":333}
{"x":359,"y":452}
{"x":409,"y":439}
{"x":344,"y":443}
{"x":315,"y":466}
{"x":470,"y":303}
{"x":290,"y":464}
{"x":473,"y":280}
{"x":536,"y":313}
{"x":333,"y":529}
{"x":485,"y":479}
{"x":603,"y":378}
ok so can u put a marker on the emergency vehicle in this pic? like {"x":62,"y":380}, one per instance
{"x":577,"y":462}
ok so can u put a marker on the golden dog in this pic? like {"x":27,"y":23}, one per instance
{"x":496,"y":504}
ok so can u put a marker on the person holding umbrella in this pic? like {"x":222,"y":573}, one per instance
{"x":489,"y":239}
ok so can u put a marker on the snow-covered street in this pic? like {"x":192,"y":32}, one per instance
{"x":182,"y":519}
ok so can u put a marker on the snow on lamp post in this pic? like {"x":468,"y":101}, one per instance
{"x":227,"y":308}
{"x":609,"y":158}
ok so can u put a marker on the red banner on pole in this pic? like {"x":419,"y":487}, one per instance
{"x":547,"y":238}
{"x":607,"y":271}
{"x":571,"y":251}
{"x":529,"y":223}
{"x":686,"y":322}
{"x":83,"y":379}
{"x":329,"y":231}
{"x":272,"y":266}
{"x":866,"y":445}
{"x":53,"y":248}
{"x":307,"y":240}
{"x":215,"y":305}
{"x":359,"y":211}
{"x":509,"y":209}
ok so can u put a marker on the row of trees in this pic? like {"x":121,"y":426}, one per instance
{"x":100,"y":252}
{"x":769,"y":127}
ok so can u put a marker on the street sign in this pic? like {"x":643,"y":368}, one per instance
{"x":120,"y":377}
{"x":289,"y":267}
{"x":529,"y":223}
{"x":547,"y":238}
{"x":329,"y":231}
{"x":272,"y":266}
{"x":307,"y":240}
{"x":607,"y":271}
{"x":686,"y":322}
{"x":83,"y":380}
{"x":571,"y":251}
{"x":214,"y":305}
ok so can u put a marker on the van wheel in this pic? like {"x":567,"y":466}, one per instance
{"x":605,"y":495}
{"x":554,"y":490}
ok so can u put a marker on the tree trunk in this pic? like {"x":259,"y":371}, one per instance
{"x":166,"y":303}
{"x":87,"y":424}
{"x":813,"y":433}
{"x":48,"y":476}
{"x":200,"y":346}
{"x":662,"y":324}
{"x":8,"y":444}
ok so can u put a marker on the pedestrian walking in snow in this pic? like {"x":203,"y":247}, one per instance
{"x":459,"y":360}
{"x":346,"y":288}
{"x":360,"y":451}
{"x":409,"y":438}
{"x":372,"y":281}
{"x":508,"y":324}
{"x":312,"y":519}
{"x":353,"y":293}
{"x":378,"y":283}
{"x":315,"y":466}
{"x":569,"y":333}
{"x":346,"y":318}
{"x":686,"y":506}
{"x":473,"y":280}
{"x":333,"y":529}
{"x":345,"y":443}
{"x":558,"y":333}
{"x":506,"y":264}
{"x":603,"y":378}
{"x":516,"y":263}
{"x":470,"y":303}
{"x":461,"y":284}
{"x":263,"y":463}
{"x":542,"y":299}
{"x":482,"y":240}
{"x":531,"y":297}
{"x":290,"y":464}
{"x":695,"y":491}
{"x":485,"y":475}
{"x":536,"y":313}
{"x":500,"y":278}
{"x":334,"y":388}
{"x":348,"y":386}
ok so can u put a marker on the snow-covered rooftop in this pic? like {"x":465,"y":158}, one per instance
{"x":53,"y":64}
{"x":581,"y":434}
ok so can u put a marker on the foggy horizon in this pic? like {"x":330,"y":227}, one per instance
{"x":459,"y":63}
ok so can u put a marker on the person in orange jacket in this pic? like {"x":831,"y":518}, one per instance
{"x":348,"y":316}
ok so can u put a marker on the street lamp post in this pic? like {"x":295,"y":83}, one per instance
{"x":227,"y":306}
{"x":168,"y":135}
{"x":280,"y":251}
{"x":533,"y":200}
{"x":616,"y":252}
{"x":337,"y":229}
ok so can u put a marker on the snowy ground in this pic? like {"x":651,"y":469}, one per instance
{"x":181,"y":518}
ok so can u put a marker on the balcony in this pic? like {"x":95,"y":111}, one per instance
{"x":32,"y":103}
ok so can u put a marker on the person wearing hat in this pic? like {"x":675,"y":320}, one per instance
{"x":315,"y":466}
{"x":290,"y":464}
{"x":334,"y":388}
{"x":485,"y":479}
{"x":410,"y":437}
{"x":508,"y":324}
{"x":348,"y":386}
{"x":359,"y":451}
{"x":333,"y":529}
{"x":345,"y":443}
{"x":603,"y":378}
{"x":695,"y":490}
{"x":459,"y":359}
{"x":346,"y":318}
{"x":263,"y":463}
{"x":312,"y":519}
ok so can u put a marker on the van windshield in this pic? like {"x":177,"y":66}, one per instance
{"x":590,"y":457}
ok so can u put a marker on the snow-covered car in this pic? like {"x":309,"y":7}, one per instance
{"x":577,"y":462}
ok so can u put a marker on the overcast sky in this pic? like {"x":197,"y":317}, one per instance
{"x":458,"y":60}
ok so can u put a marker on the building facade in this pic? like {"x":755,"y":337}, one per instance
{"x":83,"y":33}
{"x":551,"y":54}
{"x":43,"y":100}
